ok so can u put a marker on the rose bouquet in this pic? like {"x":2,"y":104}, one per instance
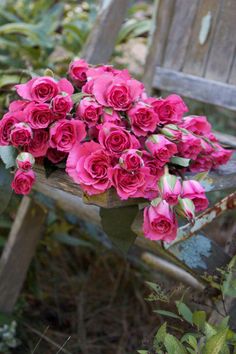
{"x":110,"y":134}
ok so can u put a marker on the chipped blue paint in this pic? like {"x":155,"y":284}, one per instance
{"x":193,"y":251}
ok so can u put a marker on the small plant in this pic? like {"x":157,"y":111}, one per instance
{"x":8,"y":338}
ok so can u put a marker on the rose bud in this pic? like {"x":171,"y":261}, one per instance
{"x":193,"y":190}
{"x":171,"y":131}
{"x":21,"y":134}
{"x":160,"y":222}
{"x":190,"y":146}
{"x":23,"y":182}
{"x":170,"y":188}
{"x":161,"y":148}
{"x":131,"y":160}
{"x":185,"y":208}
{"x":25,"y":161}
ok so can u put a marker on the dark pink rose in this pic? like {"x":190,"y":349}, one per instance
{"x":23,"y":182}
{"x":155,"y":171}
{"x":89,"y":111}
{"x":201,"y":164}
{"x":197,"y":125}
{"x":131,"y":160}
{"x":117,"y":92}
{"x":40,"y":143}
{"x":161,"y":148}
{"x":193,"y":190}
{"x":88,"y":165}
{"x":38,"y":115}
{"x":220,"y":156}
{"x":61,"y":105}
{"x":190,"y":146}
{"x":160,"y":222}
{"x":116,"y":139}
{"x":55,"y":156}
{"x":78,"y":71}
{"x":128,"y":184}
{"x":64,"y":134}
{"x":6,"y":125}
{"x":25,"y":161}
{"x":170,"y":188}
{"x":169,"y":109}
{"x":143,"y":119}
{"x":21,"y":134}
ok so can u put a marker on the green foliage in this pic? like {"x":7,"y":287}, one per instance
{"x":5,"y":183}
{"x":8,"y":340}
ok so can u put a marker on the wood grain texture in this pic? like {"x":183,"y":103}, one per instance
{"x":222,"y":51}
{"x":100,"y":44}
{"x":197,"y":88}
{"x":19,"y":251}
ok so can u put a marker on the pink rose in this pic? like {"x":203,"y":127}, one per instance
{"x":116,"y":139}
{"x":190,"y":146}
{"x":127,"y":184}
{"x":143,"y":119}
{"x":112,"y":117}
{"x":171,"y":132}
{"x":65,"y":133}
{"x":21,"y":134}
{"x":155,"y":171}
{"x":160,"y":222}
{"x":193,"y":190}
{"x":25,"y":161}
{"x":117,"y":92}
{"x":39,"y":144}
{"x":197,"y":125}
{"x":23,"y":182}
{"x":220,"y":156}
{"x":94,"y":72}
{"x":131,"y":160}
{"x":185,"y":208}
{"x":6,"y":125}
{"x":89,"y":111}
{"x":18,"y":105}
{"x":43,"y":89}
{"x":201,"y":164}
{"x":170,"y":188}
{"x":38,"y":115}
{"x":169,"y":109}
{"x":55,"y":156}
{"x":88,"y":165}
{"x":78,"y":71}
{"x":161,"y":148}
{"x":61,"y":105}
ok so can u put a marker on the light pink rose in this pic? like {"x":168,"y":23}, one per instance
{"x":6,"y":124}
{"x":64,"y":134}
{"x":61,"y":105}
{"x":23,"y":182}
{"x":89,"y":111}
{"x":39,"y":144}
{"x":38,"y":115}
{"x":55,"y":156}
{"x":190,"y":146}
{"x":160,"y":222}
{"x":169,"y":109}
{"x":117,"y":92}
{"x":78,"y":71}
{"x":116,"y":139}
{"x":25,"y":161}
{"x":143,"y":119}
{"x":197,"y":125}
{"x":161,"y":148}
{"x":43,"y":89}
{"x":131,"y":160}
{"x":193,"y":190}
{"x":21,"y":134}
{"x":127,"y":184}
{"x":170,"y":188}
{"x":88,"y":165}
{"x":95,"y":72}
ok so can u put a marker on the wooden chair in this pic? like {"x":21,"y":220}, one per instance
{"x":68,"y":195}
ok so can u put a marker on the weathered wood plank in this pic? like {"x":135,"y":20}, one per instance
{"x":197,"y":53}
{"x":226,"y":139}
{"x":19,"y":251}
{"x":197,"y":88}
{"x":100,"y":44}
{"x":232,"y":75}
{"x":180,"y":32}
{"x":223,"y":44}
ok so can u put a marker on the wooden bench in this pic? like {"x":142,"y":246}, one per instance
{"x":28,"y":224}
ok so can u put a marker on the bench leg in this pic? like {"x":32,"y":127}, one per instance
{"x":19,"y":251}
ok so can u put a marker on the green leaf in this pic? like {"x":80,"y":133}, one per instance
{"x":168,"y":314}
{"x":199,"y":319}
{"x":209,"y":330}
{"x":190,"y":339}
{"x":215,"y":343}
{"x":142,"y":351}
{"x":184,"y":311}
{"x":229,"y":284}
{"x":200,"y":176}
{"x":2,"y":241}
{"x":5,"y":187}
{"x":8,"y":155}
{"x":71,"y":241}
{"x":181,"y":161}
{"x":5,"y":319}
{"x":173,"y":345}
{"x":160,"y":335}
{"x":116,"y":222}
